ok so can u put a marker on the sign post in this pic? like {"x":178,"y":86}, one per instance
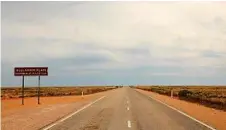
{"x":39,"y":89}
{"x":31,"y":71}
{"x":22,"y":90}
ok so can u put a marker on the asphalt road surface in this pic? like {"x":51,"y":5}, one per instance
{"x":124,"y":109}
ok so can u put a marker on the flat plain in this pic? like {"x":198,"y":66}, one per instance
{"x":210,"y":96}
{"x":108,"y":108}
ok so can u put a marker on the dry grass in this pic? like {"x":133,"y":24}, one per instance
{"x":211,"y":96}
{"x":15,"y":92}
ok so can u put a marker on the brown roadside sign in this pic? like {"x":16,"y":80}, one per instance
{"x":31,"y":71}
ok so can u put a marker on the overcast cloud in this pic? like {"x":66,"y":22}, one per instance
{"x":99,"y":43}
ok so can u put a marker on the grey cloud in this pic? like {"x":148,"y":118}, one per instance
{"x":90,"y":46}
{"x":79,"y":60}
{"x":108,"y":38}
{"x":135,"y":51}
{"x":145,"y":70}
{"x":32,"y":12}
{"x":39,"y":12}
{"x":56,"y":67}
{"x":212,"y":54}
{"x":220,"y":23}
{"x":139,"y":50}
{"x":216,"y":24}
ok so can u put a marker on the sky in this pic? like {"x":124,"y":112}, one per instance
{"x":115,"y":43}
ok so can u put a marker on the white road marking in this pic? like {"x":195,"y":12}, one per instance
{"x":184,"y":114}
{"x":127,"y":102}
{"x":128,"y":108}
{"x":129,"y":123}
{"x":70,"y":115}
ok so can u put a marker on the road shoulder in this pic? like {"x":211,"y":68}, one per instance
{"x":213,"y":117}
{"x":34,"y":117}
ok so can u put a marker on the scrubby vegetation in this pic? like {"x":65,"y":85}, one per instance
{"x":15,"y":92}
{"x":211,"y":96}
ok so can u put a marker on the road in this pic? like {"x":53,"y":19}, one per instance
{"x":126,"y":108}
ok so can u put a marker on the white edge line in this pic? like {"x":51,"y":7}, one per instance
{"x":129,"y":123}
{"x":128,"y":108}
{"x":55,"y":123}
{"x":184,"y":114}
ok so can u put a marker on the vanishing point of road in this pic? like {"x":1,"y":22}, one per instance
{"x":126,"y":109}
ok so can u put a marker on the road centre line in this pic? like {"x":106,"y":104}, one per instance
{"x":128,"y":108}
{"x":129,"y":123}
{"x":70,"y":115}
{"x":210,"y":127}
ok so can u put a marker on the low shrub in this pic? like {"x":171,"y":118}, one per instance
{"x":211,"y":97}
{"x":184,"y":93}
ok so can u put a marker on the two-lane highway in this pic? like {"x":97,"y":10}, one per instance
{"x":126,"y":108}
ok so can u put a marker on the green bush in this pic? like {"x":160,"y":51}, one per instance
{"x":184,"y":93}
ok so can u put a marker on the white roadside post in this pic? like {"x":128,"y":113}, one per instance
{"x":82,"y":94}
{"x":171,"y":93}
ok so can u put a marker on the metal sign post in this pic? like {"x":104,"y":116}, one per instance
{"x":22,"y":90}
{"x":39,"y":89}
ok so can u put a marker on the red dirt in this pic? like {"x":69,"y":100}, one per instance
{"x":33,"y":116}
{"x":15,"y":104}
{"x":213,"y":117}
